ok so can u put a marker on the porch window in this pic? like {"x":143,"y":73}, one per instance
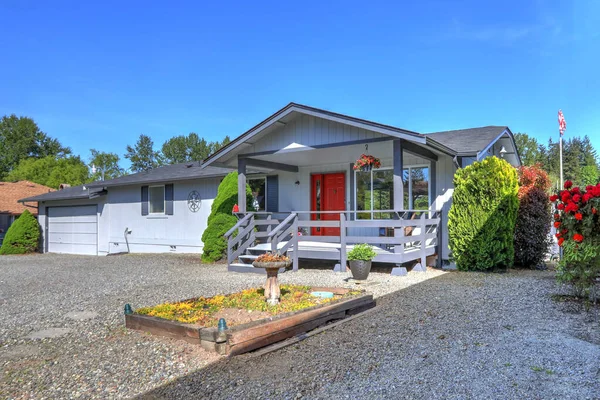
{"x":374,"y":191}
{"x":416,"y":188}
{"x":156,"y":199}
{"x":258,"y":187}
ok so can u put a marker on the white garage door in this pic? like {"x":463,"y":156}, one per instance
{"x":72,"y":230}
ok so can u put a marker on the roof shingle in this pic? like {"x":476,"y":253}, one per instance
{"x":468,"y":141}
{"x":12,"y":192}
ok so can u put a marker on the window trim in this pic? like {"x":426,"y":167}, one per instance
{"x":164,"y":200}
{"x":409,"y":205}
{"x":266,"y":197}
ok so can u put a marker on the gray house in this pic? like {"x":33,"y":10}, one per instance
{"x":160,"y":210}
{"x":324,"y":205}
{"x":309,"y":201}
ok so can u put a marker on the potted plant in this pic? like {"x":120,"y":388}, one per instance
{"x":360,"y":258}
{"x":367,"y":163}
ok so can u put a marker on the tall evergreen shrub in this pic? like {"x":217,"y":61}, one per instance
{"x":481,"y":220}
{"x":220,"y":219}
{"x":534,"y":218}
{"x":23,"y":236}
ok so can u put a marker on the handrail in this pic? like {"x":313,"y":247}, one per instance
{"x":281,"y":225}
{"x":236,"y":226}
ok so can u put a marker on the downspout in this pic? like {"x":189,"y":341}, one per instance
{"x":127,"y":232}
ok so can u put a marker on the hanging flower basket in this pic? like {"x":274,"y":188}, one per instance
{"x":367,"y":163}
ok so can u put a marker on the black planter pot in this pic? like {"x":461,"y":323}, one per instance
{"x":360,"y":269}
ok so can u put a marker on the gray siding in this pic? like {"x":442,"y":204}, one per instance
{"x":310,"y":131}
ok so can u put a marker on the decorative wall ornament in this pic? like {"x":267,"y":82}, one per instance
{"x":194,"y":201}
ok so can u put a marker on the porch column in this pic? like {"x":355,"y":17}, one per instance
{"x":398,"y":180}
{"x":242,"y":184}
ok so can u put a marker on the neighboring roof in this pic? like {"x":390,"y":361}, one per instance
{"x":387,"y":129}
{"x":68,"y":193}
{"x":168,"y":173}
{"x":11,"y":192}
{"x":468,"y":141}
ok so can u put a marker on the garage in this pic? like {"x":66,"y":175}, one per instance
{"x":72,"y":230}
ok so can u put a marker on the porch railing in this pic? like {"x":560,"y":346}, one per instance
{"x":410,"y":231}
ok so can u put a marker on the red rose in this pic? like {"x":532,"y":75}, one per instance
{"x":575,"y":190}
{"x":589,"y":187}
{"x":587,"y":197}
{"x":578,"y":216}
{"x":576,"y":198}
{"x":565,"y":196}
{"x":561,"y":206}
{"x":568,"y":184}
{"x":553,"y":198}
{"x":594,"y":211}
{"x":557,"y":234}
{"x":564,"y":231}
{"x":578,"y":237}
{"x":560,"y":241}
{"x":557,"y":224}
{"x":557,"y":216}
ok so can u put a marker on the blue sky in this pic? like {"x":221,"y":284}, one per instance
{"x":97,"y":74}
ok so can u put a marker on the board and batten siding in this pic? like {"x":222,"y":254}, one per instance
{"x":310,"y":131}
{"x":180,"y":232}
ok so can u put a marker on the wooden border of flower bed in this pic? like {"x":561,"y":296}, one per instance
{"x":253,"y":335}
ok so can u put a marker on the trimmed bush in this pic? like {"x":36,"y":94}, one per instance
{"x":481,"y":220}
{"x":534,"y":218}
{"x":215,"y":245}
{"x":220,"y":219}
{"x":23,"y":236}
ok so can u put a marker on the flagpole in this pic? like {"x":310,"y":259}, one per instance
{"x":561,"y":162}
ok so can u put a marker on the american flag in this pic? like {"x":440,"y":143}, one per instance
{"x":562,"y":124}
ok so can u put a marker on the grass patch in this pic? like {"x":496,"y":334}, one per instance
{"x":201,"y":310}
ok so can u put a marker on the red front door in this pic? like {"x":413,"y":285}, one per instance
{"x":328,"y":194}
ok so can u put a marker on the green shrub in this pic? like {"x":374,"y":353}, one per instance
{"x":215,"y":245}
{"x":362,"y":252}
{"x":227,"y":196}
{"x":23,"y":236}
{"x":220,"y":219}
{"x":481,"y":220}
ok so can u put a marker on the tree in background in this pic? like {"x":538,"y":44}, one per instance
{"x":107,"y":165}
{"x":142,"y":155}
{"x":482,"y":217}
{"x":534,"y":218}
{"x":51,"y":171}
{"x":529,"y":149}
{"x":181,"y":149}
{"x":580,"y":159}
{"x":21,"y":138}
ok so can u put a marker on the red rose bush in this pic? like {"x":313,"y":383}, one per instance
{"x":576,"y":214}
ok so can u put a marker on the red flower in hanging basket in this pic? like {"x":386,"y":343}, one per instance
{"x":367,"y":162}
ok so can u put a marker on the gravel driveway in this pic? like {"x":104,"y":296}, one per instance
{"x":80,"y":300}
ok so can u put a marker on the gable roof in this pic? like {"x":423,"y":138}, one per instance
{"x":317,"y":112}
{"x":68,"y":193}
{"x":167,"y":173}
{"x":468,"y":141}
{"x":11,"y":192}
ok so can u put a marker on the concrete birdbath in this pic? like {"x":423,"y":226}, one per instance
{"x":271,"y":264}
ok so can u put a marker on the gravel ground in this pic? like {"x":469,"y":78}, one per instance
{"x":80,"y":299}
{"x":458,"y":336}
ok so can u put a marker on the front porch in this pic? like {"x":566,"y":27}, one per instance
{"x":412,"y":236}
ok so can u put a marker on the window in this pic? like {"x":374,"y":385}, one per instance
{"x":374,"y":191}
{"x":259,"y":194}
{"x":156,"y":199}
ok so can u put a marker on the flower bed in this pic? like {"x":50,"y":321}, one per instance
{"x":194,"y":320}
{"x":205,"y":311}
